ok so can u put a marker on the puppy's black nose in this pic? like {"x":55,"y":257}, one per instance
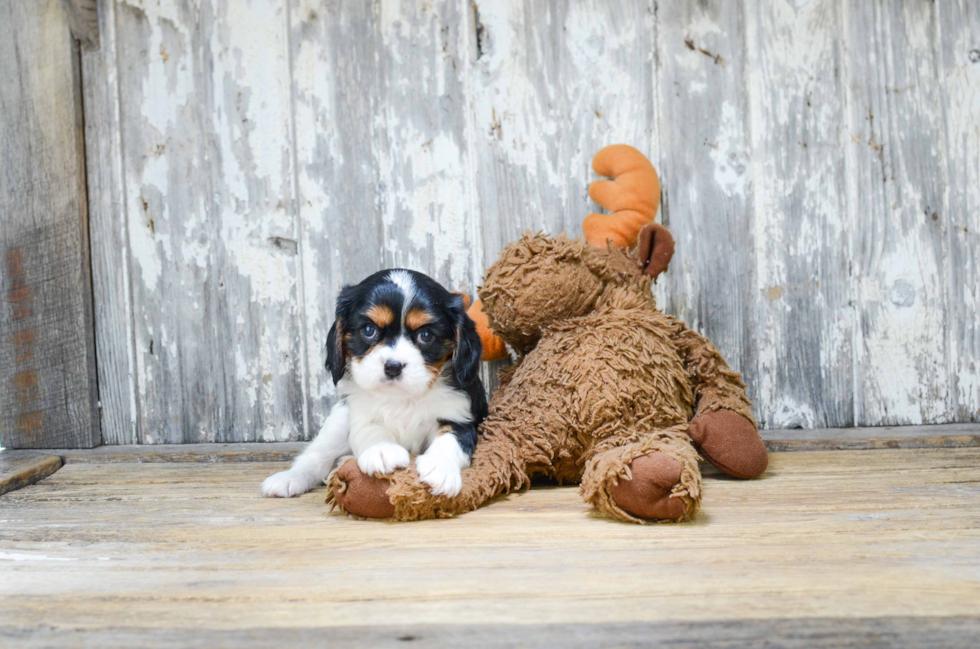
{"x":393,"y":369}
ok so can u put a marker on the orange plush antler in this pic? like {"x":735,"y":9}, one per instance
{"x":633,"y":196}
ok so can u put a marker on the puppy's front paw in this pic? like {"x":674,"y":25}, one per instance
{"x":382,"y":458}
{"x":441,"y":473}
{"x":286,"y":484}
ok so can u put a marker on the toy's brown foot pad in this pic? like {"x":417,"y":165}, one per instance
{"x":730,"y":442}
{"x":647,"y":495}
{"x":364,"y":495}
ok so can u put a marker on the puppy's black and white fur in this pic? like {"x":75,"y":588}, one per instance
{"x":404,"y":357}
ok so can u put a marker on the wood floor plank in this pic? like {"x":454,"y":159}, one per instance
{"x":823,"y":439}
{"x":813,"y":633}
{"x":870,"y":438}
{"x":21,"y":468}
{"x":888,"y":534}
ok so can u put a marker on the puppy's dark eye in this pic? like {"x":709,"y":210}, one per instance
{"x":424,"y":337}
{"x":370,"y":332}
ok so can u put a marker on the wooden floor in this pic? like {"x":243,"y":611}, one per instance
{"x":829,"y":549}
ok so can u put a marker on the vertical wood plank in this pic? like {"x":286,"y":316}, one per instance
{"x":896,"y":181}
{"x":48,"y":392}
{"x":553,"y":83}
{"x":706,"y":176}
{"x":108,"y":228}
{"x":428,"y":219}
{"x":805,"y":326}
{"x":260,"y":307}
{"x":549,"y":84}
{"x":163,"y":103}
{"x":959,"y":73}
{"x":430,"y":215}
{"x":209,"y":198}
{"x":339,"y":99}
{"x":383,"y":162}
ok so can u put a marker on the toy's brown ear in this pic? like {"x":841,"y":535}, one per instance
{"x":654,"y":248}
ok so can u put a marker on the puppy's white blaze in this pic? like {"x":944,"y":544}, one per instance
{"x":314,"y":464}
{"x":404,"y":281}
{"x":439,"y":467}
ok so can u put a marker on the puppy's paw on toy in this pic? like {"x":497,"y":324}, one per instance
{"x":383,"y":458}
{"x":441,"y":474}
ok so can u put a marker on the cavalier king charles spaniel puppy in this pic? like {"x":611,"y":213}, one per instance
{"x":405,"y":358}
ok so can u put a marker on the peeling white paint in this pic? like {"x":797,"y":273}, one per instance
{"x":727,"y":153}
{"x":386,"y":125}
{"x":434,"y":205}
{"x":788,"y":414}
{"x":960,"y":55}
{"x":167,"y":74}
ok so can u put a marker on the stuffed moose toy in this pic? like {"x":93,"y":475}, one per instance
{"x":605,"y":390}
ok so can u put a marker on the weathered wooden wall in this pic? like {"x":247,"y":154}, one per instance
{"x":48,"y":391}
{"x":820,"y":165}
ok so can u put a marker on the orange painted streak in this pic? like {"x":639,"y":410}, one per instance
{"x":31,"y":422}
{"x":22,"y":294}
{"x":26,"y":385}
{"x":15,"y":262}
{"x":25,"y":380}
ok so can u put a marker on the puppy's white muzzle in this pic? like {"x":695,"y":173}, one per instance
{"x":399,"y":366}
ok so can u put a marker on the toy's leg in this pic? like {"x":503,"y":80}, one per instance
{"x":723,"y":428}
{"x":498,"y":465}
{"x":655,"y":478}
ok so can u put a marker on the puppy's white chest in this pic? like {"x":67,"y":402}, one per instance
{"x":409,"y":421}
{"x":405,"y":422}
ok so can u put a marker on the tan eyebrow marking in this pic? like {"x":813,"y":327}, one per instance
{"x":380,"y":315}
{"x":418,"y":318}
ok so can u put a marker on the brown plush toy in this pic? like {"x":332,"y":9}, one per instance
{"x":604,"y":385}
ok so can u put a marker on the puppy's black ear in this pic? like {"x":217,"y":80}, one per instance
{"x":469,"y":349}
{"x":336,"y":352}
